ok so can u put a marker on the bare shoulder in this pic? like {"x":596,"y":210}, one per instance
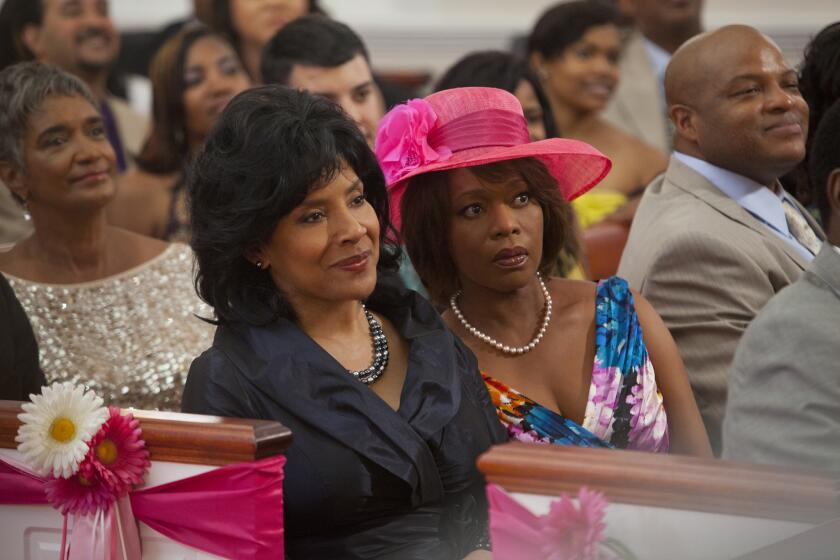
{"x":572,"y":297}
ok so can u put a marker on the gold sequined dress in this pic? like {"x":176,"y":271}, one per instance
{"x":130,"y":337}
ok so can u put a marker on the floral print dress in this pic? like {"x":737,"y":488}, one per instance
{"x":624,"y":408}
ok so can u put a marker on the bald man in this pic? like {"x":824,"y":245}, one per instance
{"x":716,"y":236}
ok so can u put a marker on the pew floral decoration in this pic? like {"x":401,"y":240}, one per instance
{"x":566,"y":532}
{"x":91,"y":455}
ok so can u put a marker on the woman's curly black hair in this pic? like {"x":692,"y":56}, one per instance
{"x":270,"y":147}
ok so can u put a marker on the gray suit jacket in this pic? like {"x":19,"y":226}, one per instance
{"x":638,"y":105}
{"x":708,"y":267}
{"x":784,"y":385}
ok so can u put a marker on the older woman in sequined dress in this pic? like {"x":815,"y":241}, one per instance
{"x":111,"y":309}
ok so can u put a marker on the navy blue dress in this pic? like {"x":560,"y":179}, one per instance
{"x":363,"y":480}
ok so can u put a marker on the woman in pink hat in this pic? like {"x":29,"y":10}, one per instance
{"x":481,"y":208}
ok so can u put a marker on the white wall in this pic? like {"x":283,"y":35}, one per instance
{"x":431,"y":34}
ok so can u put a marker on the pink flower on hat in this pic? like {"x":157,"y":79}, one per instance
{"x":402,"y":140}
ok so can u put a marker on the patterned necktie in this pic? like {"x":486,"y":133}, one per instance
{"x":800,"y":229}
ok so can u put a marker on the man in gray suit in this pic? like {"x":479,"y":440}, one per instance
{"x":784,"y":385}
{"x":717,"y":236}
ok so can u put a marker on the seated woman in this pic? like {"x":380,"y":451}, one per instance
{"x":482,"y":213}
{"x":194,"y":75}
{"x":111,"y":309}
{"x":508,"y":72}
{"x":388,"y":410}
{"x":574,"y":49}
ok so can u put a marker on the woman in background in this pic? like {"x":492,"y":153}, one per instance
{"x":574,"y":49}
{"x":249,"y":24}
{"x":194,"y":76}
{"x":111,"y":309}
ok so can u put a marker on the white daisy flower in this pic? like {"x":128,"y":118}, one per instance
{"x":56,"y":427}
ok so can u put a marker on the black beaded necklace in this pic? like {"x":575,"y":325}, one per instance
{"x":375,"y":370}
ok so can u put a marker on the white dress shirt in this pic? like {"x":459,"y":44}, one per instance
{"x":757,"y":199}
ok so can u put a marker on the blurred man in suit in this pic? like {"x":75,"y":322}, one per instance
{"x":638,"y":104}
{"x":784,"y":385}
{"x":717,"y":236}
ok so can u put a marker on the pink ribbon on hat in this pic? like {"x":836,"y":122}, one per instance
{"x":409,"y":139}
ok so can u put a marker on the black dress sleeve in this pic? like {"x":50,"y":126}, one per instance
{"x":213,"y":387}
{"x":20,"y":373}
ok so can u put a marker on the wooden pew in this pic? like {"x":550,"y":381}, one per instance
{"x":670,"y":506}
{"x":180,"y":445}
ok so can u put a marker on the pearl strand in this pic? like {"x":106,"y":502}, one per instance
{"x":516,"y":350}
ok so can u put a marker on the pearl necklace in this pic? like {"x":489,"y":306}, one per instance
{"x":380,"y":352}
{"x":453,"y":303}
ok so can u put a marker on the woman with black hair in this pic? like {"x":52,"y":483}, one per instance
{"x":293,"y":243}
{"x":249,"y":24}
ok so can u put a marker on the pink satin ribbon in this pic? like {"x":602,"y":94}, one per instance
{"x":235,"y":511}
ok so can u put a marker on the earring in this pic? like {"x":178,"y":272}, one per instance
{"x":26,"y":215}
{"x":260,"y":265}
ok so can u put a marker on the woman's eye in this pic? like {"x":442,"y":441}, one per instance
{"x":55,"y":141}
{"x":312,"y":217}
{"x":358,"y":201}
{"x":471,"y":211}
{"x":522,"y":199}
{"x":97,"y":131}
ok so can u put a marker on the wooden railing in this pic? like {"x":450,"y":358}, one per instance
{"x":669,"y":481}
{"x":186,"y":438}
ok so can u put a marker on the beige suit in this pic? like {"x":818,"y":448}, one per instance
{"x":638,"y":106}
{"x":708,"y":267}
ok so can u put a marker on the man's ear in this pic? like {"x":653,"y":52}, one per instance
{"x":30,"y":37}
{"x":684,"y":119}
{"x":12,"y":177}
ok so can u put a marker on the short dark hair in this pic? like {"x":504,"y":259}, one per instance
{"x":565,"y":23}
{"x":14,"y":16}
{"x":819,"y":82}
{"x":427,"y":213}
{"x":167,"y":148}
{"x":271,"y":146}
{"x":500,"y":70}
{"x":313,"y":40}
{"x":824,"y":157}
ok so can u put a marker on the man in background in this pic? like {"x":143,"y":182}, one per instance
{"x":638,"y":104}
{"x":326,"y":58}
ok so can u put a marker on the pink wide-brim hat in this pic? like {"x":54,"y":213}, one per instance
{"x":465,"y":127}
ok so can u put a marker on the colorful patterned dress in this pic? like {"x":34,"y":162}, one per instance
{"x":624,"y":408}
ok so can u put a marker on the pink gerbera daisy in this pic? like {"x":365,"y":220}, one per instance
{"x":79,"y":494}
{"x":117,"y":454}
{"x":574,"y":533}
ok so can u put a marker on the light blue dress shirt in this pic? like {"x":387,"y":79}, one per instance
{"x":753,"y":197}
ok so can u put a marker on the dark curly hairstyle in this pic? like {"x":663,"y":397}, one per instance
{"x":565,"y":23}
{"x":499,"y":70}
{"x":819,"y":82}
{"x":427,"y":213}
{"x":270,"y":147}
{"x":824,"y":158}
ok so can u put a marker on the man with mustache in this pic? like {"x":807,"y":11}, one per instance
{"x":79,"y":37}
{"x":717,"y":236}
